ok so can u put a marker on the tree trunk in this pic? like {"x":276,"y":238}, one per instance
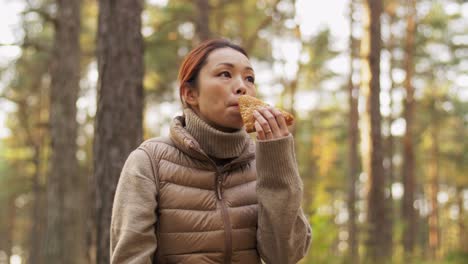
{"x":35,"y":139}
{"x":39,"y":139}
{"x":409,"y":182}
{"x":202,"y":24}
{"x":119,"y":117}
{"x":292,"y":103}
{"x":36,"y":235}
{"x":434,"y":229}
{"x":65,"y":231}
{"x":462,"y":235}
{"x":353,"y":131}
{"x":10,"y":226}
{"x":91,"y":223}
{"x":390,"y":170}
{"x":378,"y":237}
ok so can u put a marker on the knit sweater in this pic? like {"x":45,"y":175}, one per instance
{"x":281,"y":232}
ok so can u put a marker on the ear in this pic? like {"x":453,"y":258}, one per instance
{"x":190,"y":95}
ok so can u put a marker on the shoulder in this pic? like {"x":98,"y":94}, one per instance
{"x":157,"y":142}
{"x":159,"y":148}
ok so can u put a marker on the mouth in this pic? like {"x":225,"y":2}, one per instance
{"x":234,"y":106}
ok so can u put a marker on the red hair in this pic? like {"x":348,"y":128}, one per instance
{"x":196,"y":59}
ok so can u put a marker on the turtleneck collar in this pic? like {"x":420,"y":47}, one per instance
{"x":215,"y":143}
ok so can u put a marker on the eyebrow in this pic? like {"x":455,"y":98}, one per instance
{"x":232,"y":65}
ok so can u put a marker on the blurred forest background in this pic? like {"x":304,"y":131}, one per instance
{"x":381,"y":107}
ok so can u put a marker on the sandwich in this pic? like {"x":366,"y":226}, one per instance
{"x":247,"y":105}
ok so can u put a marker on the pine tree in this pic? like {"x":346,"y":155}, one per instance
{"x":66,"y":241}
{"x":119,"y":117}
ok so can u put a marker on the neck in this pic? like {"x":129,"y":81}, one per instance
{"x":213,"y":125}
{"x":215,"y":142}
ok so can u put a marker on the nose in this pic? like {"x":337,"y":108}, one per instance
{"x":241,"y":90}
{"x":240,"y":87}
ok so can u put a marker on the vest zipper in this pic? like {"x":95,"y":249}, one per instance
{"x":226,"y":221}
{"x":224,"y":211}
{"x":228,"y":234}
{"x":218,"y":189}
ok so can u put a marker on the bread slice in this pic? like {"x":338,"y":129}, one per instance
{"x":247,"y":105}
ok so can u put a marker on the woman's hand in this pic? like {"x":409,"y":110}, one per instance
{"x":270,"y":124}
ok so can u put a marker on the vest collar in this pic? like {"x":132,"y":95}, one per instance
{"x":199,"y":140}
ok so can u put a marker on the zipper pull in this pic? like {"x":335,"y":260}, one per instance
{"x":218,"y":189}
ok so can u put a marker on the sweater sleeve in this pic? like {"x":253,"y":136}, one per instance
{"x":132,"y":232}
{"x":283,"y":233}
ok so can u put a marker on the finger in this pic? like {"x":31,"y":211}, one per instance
{"x":272,"y":122}
{"x":281,"y":122}
{"x":259,"y":129}
{"x":264,"y":125}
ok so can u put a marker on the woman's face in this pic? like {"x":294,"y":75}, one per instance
{"x":226,"y":75}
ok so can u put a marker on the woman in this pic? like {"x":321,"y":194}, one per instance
{"x":208,"y":194}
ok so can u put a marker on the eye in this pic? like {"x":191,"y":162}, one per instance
{"x":225,"y":74}
{"x":251,"y":79}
